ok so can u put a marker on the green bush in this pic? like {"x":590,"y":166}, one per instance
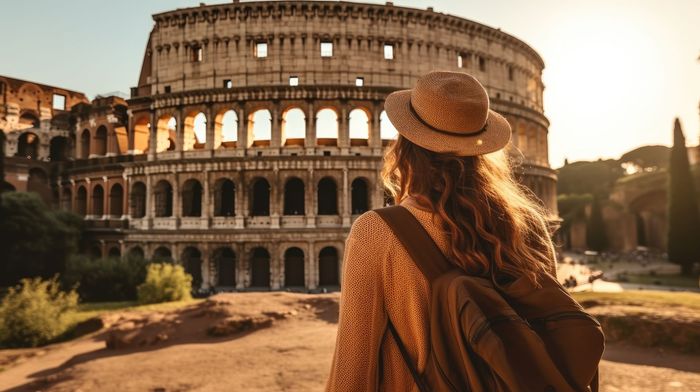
{"x":108,"y":279}
{"x":165,"y":282}
{"x":35,"y":312}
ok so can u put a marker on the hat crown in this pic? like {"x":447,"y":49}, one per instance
{"x":451,"y":101}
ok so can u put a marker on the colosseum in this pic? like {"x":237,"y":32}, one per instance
{"x":256,"y":132}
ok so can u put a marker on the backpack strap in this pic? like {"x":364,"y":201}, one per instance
{"x":422,"y":387}
{"x":420,"y":246}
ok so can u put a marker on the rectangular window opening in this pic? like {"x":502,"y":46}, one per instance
{"x":167,"y":89}
{"x":228,"y":83}
{"x":510,"y":73}
{"x":359,"y":81}
{"x":326,"y":49}
{"x":293,"y":80}
{"x":261,"y":50}
{"x":197,"y":54}
{"x":388,"y":51}
{"x":326,"y":153}
{"x":482,"y":64}
{"x":460,"y":61}
{"x":59,"y":101}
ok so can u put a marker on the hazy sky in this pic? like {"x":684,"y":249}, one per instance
{"x":617,"y":72}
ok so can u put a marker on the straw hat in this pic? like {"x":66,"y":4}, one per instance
{"x":448,"y":112}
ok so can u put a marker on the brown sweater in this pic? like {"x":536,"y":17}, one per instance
{"x":379,"y":280}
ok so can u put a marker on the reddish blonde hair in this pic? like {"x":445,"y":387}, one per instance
{"x":488,"y":216}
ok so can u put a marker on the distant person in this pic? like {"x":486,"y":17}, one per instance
{"x":449,"y":175}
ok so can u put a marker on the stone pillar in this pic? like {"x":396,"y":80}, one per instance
{"x":375,"y":137}
{"x":310,"y":137}
{"x":240,"y":207}
{"x":274,"y":196}
{"x":345,"y":202}
{"x":241,"y":267}
{"x":179,"y":132}
{"x":152,"y":137}
{"x":311,"y":267}
{"x":150,"y":203}
{"x":344,"y":129}
{"x":206,"y":200}
{"x":310,"y":202}
{"x":206,"y":270}
{"x":209,"y":144}
{"x":177,"y":200}
{"x":242,"y":138}
{"x":276,"y":132}
{"x":276,"y":278}
{"x":106,"y":200}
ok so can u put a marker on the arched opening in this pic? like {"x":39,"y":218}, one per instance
{"x":192,"y":261}
{"x":293,"y":127}
{"x":81,"y":201}
{"x":98,"y":200}
{"x":328,"y":267}
{"x":138,"y":200}
{"x":387,"y":131}
{"x":294,"y":268}
{"x":260,"y":203}
{"x":28,"y":146}
{"x":66,"y":199}
{"x":226,"y":129}
{"x":327,"y":199}
{"x":224,"y":198}
{"x":166,"y":134}
{"x":142,"y":129}
{"x":192,"y":198}
{"x":260,"y":122}
{"x":58,"y":149}
{"x":163,"y":195}
{"x":116,"y":200}
{"x":85,"y":144}
{"x":28,"y":120}
{"x":225,"y":261}
{"x":260,"y":268}
{"x":360,"y":196}
{"x":195,"y":135}
{"x":359,"y":127}
{"x":162,"y":254}
{"x":327,"y":127}
{"x":641,"y":230}
{"x":114,"y":253}
{"x":294,"y":197}
{"x":101,"y":141}
{"x":136,"y":252}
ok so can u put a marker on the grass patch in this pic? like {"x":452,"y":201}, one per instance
{"x":642,"y":298}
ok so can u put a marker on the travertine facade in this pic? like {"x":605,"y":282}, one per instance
{"x":256,"y":133}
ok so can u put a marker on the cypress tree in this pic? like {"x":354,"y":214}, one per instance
{"x":683,"y":215}
{"x":596,"y":238}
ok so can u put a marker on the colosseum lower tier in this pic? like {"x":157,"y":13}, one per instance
{"x":255,"y":134}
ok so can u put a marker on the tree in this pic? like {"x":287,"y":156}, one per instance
{"x":35,"y":241}
{"x":683,"y":215}
{"x":596,"y":238}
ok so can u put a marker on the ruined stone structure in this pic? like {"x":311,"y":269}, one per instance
{"x":256,"y":131}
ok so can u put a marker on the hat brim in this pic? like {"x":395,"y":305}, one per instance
{"x":495,"y":137}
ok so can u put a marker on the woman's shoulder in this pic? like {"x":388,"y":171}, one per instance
{"x":369,"y":226}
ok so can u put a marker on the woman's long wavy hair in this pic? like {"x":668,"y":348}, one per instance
{"x":488,"y":216}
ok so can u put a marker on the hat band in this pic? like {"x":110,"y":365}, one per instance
{"x":470,"y":134}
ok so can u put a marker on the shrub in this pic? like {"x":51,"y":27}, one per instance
{"x":165,"y":282}
{"x":35,"y":312}
{"x":108,"y":279}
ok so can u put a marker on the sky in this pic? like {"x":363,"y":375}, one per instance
{"x":617,"y":72}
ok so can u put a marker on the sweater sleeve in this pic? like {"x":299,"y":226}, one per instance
{"x":362,"y":318}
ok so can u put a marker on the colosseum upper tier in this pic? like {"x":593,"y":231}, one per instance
{"x":256,"y":132}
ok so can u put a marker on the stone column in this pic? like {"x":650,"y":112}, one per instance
{"x":153,"y":137}
{"x":130,"y":133}
{"x":274,"y":196}
{"x":177,"y":200}
{"x":179,"y":132}
{"x":312,"y":267}
{"x":310,"y":137}
{"x":310,"y":202}
{"x":241,"y":196}
{"x":150,"y":203}
{"x":206,"y":270}
{"x":276,"y":132}
{"x":276,"y":278}
{"x":206,"y":200}
{"x":345,"y":204}
{"x":344,"y":129}
{"x":209,"y":144}
{"x":242,"y":138}
{"x":375,"y":137}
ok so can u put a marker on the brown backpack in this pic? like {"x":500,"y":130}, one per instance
{"x":489,"y":336}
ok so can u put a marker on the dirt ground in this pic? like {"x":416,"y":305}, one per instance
{"x":288,"y":348}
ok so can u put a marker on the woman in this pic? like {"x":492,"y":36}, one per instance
{"x":447,"y":167}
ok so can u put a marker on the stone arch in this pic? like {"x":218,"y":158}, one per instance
{"x":98,"y":200}
{"x":141,"y":131}
{"x":137,"y":200}
{"x":28,"y":120}
{"x":387,"y":130}
{"x":260,"y":200}
{"x":359,"y":190}
{"x":162,"y":254}
{"x":81,"y":201}
{"x":192,"y":198}
{"x":225,"y":264}
{"x":59,"y":149}
{"x":192,"y":262}
{"x":116,"y":200}
{"x":294,"y":196}
{"x":136,"y":252}
{"x":114,"y":252}
{"x":327,"y":196}
{"x":328,"y":267}
{"x":101,"y":141}
{"x":66,"y":199}
{"x":226,"y":129}
{"x":359,"y":127}
{"x":260,"y":124}
{"x":85,"y":144}
{"x":224,"y":197}
{"x":294,"y":267}
{"x":28,"y":145}
{"x":163,"y":197}
{"x":166,"y":133}
{"x":293,"y":127}
{"x":195,"y":131}
{"x":327,"y":127}
{"x":260,"y":268}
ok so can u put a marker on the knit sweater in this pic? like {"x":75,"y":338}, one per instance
{"x":380,"y":280}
